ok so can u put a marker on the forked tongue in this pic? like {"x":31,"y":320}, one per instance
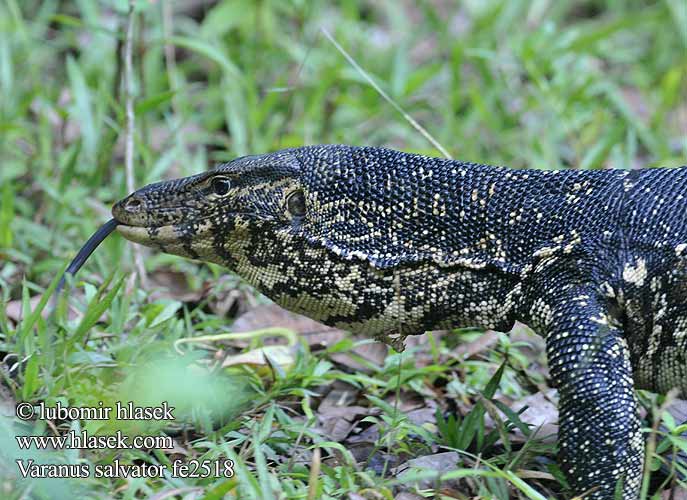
{"x":86,"y":251}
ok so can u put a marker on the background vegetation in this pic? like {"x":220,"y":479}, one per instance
{"x":537,"y":84}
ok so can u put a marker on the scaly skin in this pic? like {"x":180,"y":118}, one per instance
{"x":382,"y":242}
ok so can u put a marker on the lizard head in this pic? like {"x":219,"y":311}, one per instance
{"x":210,"y":215}
{"x":313,"y":228}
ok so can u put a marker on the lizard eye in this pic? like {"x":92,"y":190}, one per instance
{"x":295,"y":204}
{"x":220,"y":186}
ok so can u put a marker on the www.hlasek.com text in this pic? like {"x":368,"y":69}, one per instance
{"x":85,"y":441}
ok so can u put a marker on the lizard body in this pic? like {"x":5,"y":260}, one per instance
{"x":378,"y":241}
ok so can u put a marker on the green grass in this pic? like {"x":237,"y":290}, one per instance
{"x":550,"y":85}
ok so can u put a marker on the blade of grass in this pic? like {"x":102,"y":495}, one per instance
{"x":95,"y":309}
{"x":386,"y":97}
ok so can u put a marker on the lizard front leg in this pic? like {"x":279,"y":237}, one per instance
{"x":600,"y":443}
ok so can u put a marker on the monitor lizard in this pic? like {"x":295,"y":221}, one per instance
{"x":383,"y":242}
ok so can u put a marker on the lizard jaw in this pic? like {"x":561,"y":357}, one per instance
{"x":172,"y":239}
{"x":148,"y":236}
{"x":182,"y":240}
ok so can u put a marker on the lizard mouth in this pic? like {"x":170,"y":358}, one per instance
{"x":164,"y":237}
{"x":148,"y":235}
{"x":137,"y":211}
{"x":144,"y":221}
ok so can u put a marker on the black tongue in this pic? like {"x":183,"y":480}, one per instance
{"x":88,"y":248}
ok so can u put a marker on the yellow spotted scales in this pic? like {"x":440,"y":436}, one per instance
{"x":388,"y":243}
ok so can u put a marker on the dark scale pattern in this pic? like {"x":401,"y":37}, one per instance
{"x":394,"y":243}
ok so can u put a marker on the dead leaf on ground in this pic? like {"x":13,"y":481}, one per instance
{"x":675,"y":494}
{"x":678,"y":410}
{"x":169,"y":284}
{"x":367,"y":494}
{"x":535,"y":344}
{"x":355,"y":496}
{"x":360,"y":357}
{"x":283,"y":355}
{"x":266,"y":316}
{"x":481,"y":344}
{"x":336,"y":429}
{"x":225,"y":297}
{"x":438,"y":462}
{"x":423,"y":416}
{"x":341,"y":395}
{"x":337,"y":413}
{"x":406,"y":495}
{"x":13,"y":309}
{"x":362,"y":452}
{"x":541,"y":414}
{"x":408,"y":401}
{"x":368,"y":434}
{"x":424,"y":357}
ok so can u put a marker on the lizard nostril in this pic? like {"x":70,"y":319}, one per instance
{"x":133,"y":205}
